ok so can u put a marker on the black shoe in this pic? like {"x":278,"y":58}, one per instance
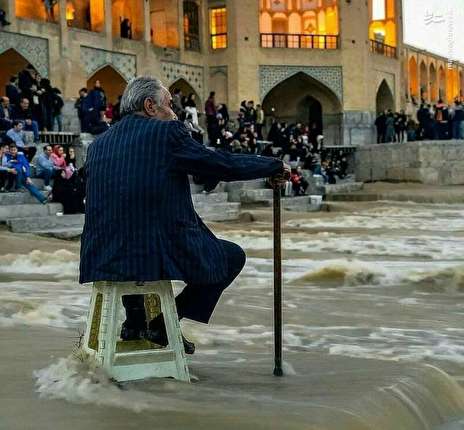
{"x":128,"y":333}
{"x":159,"y":336}
{"x":189,"y":347}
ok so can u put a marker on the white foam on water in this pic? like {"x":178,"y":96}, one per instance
{"x":343,"y":272}
{"x":392,"y":218}
{"x":61,"y":264}
{"x":427,"y":247}
{"x":427,"y":265}
{"x":442,"y":352}
{"x":396,"y":344}
{"x":81,"y":381}
{"x":288,"y":368}
{"x":218,"y":337}
{"x":409,"y":301}
{"x":54,"y":304}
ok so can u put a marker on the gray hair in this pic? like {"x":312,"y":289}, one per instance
{"x":137,"y":91}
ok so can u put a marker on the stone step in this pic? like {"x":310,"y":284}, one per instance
{"x":219,"y":211}
{"x":43,"y":223}
{"x":264,"y":195}
{"x":198,"y":189}
{"x":235,"y":188}
{"x":61,"y":233}
{"x":343,"y":188}
{"x":70,"y":226}
{"x":29,"y":210}
{"x":8,"y":199}
{"x":352,"y":197}
{"x":253,"y":184}
{"x":300,"y":204}
{"x":209,"y":198}
{"x":316,"y":185}
{"x":39,"y":183}
{"x":297,"y":204}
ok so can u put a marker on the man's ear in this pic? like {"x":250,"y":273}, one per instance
{"x":149,"y":106}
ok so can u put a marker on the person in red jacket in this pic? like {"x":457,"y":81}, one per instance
{"x":299,"y":183}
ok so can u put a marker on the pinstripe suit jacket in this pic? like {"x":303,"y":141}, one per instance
{"x":140,"y":223}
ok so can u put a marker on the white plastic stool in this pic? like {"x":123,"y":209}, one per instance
{"x":131,"y":360}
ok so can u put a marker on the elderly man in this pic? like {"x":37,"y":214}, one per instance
{"x":6,"y":114}
{"x":140,"y":223}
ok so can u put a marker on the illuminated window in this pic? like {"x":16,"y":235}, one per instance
{"x":86,"y":14}
{"x":128,"y":20}
{"x":310,"y":24}
{"x":37,"y":10}
{"x":382,"y":27}
{"x":218,"y":27}
{"x":191,"y":26}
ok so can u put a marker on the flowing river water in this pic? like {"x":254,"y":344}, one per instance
{"x":373,"y":337}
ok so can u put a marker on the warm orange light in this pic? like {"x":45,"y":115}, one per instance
{"x":70,"y":11}
{"x":413,"y":81}
{"x":164,"y":23}
{"x":299,"y":17}
{"x":383,"y":30}
{"x":218,"y":27}
{"x":433,"y":84}
{"x":452,"y":87}
{"x":131,"y":10}
{"x":34,"y":9}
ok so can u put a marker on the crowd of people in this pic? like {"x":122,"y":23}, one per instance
{"x":31,"y":99}
{"x":432,"y":122}
{"x":54,"y":163}
{"x":95,"y":113}
{"x":32,"y":104}
{"x":297,"y":144}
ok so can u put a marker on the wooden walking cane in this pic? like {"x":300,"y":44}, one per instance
{"x":277,"y":284}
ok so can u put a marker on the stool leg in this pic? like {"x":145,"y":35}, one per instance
{"x":108,"y":328}
{"x":90,"y":318}
{"x":168,"y":307}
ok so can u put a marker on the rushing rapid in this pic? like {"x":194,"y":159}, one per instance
{"x":384,"y":283}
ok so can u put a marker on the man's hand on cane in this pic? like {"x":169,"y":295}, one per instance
{"x":281,"y":178}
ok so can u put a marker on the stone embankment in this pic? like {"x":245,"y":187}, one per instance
{"x":250,"y":193}
{"x":425,"y":162}
{"x":23,"y":214}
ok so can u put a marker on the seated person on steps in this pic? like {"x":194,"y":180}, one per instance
{"x":17,"y":161}
{"x":7,"y":174}
{"x":16,"y":136}
{"x":45,"y":167}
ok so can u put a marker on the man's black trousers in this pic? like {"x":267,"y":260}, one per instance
{"x":195,"y":302}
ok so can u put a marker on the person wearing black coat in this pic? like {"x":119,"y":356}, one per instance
{"x":6,"y":114}
{"x":70,"y":192}
{"x":140,"y":223}
{"x":12,"y":91}
{"x":25,"y":81}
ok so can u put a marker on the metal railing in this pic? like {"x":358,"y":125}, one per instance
{"x":299,"y":41}
{"x":192,"y":42}
{"x":219,"y":41}
{"x":58,"y":137}
{"x":383,"y":49}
